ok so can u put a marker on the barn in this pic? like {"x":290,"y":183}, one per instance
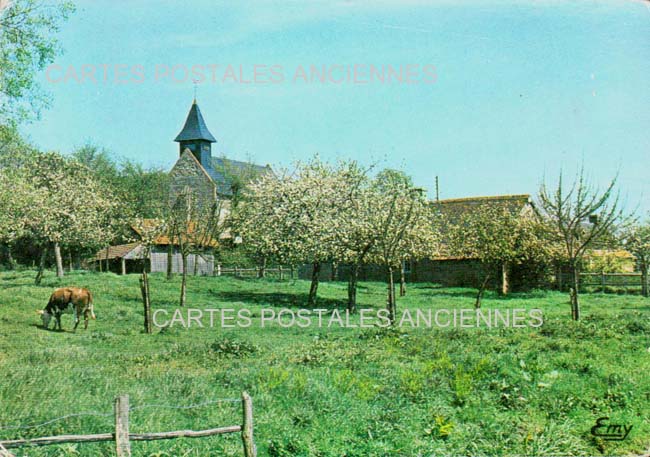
{"x":450,"y":270}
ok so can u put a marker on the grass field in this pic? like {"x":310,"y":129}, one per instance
{"x":327,"y":392}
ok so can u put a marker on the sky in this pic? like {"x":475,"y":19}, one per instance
{"x":501,"y":95}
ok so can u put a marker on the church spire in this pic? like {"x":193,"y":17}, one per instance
{"x":196,"y":137}
{"x":195,"y":128}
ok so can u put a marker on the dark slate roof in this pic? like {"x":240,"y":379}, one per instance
{"x":224,"y":171}
{"x":195,"y":128}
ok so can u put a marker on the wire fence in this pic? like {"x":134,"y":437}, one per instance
{"x":133,"y":408}
{"x":122,"y":436}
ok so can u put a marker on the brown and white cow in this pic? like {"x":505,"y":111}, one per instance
{"x":66,"y":300}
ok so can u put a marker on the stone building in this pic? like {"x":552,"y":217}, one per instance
{"x":211,"y":178}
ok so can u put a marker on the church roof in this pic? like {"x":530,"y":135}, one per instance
{"x":227,"y":173}
{"x":195,"y":128}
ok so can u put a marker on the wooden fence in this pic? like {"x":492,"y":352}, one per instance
{"x":279,"y":272}
{"x":624,"y":281}
{"x":123,"y":437}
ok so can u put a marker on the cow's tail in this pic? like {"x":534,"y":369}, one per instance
{"x":90,"y":305}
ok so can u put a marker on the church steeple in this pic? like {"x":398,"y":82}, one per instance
{"x":196,"y":137}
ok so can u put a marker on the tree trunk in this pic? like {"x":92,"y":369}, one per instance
{"x":352,"y":288}
{"x":262,"y":272}
{"x":59,"y":260}
{"x":505,"y":278}
{"x":390,"y":302}
{"x":70,"y":266}
{"x":644,"y":280}
{"x":196,"y":265}
{"x":575,"y":291}
{"x":292,"y":271}
{"x":11,"y":262}
{"x":313,"y":289}
{"x":170,"y":259}
{"x":335,"y":271}
{"x":41,"y":266}
{"x":558,"y":277}
{"x":481,"y":291}
{"x":184,"y":280}
{"x":402,"y":281}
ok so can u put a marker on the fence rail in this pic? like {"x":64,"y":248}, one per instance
{"x":631,"y":280}
{"x":280,"y":272}
{"x":123,"y":437}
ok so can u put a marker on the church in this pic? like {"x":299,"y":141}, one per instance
{"x":211,"y":177}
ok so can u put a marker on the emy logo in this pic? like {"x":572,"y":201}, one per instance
{"x":609,"y":431}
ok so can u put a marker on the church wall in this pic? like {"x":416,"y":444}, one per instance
{"x":188,"y":173}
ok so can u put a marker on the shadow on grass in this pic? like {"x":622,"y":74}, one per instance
{"x":52,"y":330}
{"x":276,"y":299}
{"x":638,"y":308}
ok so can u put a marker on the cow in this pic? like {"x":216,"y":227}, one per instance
{"x":73,"y":300}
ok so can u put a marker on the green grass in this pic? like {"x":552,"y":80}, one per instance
{"x":327,"y":392}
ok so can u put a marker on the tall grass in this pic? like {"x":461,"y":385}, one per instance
{"x":327,"y":392}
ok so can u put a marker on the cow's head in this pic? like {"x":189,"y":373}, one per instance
{"x":45,"y":317}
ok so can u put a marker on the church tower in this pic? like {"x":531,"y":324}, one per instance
{"x":196,"y":137}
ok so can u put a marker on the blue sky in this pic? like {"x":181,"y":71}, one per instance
{"x":522,"y":88}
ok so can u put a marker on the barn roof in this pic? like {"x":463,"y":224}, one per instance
{"x":195,"y":128}
{"x":116,"y":252}
{"x":455,"y":208}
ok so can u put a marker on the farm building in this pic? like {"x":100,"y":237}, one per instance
{"x":211,"y":177}
{"x":450,"y":270}
{"x":130,"y":257}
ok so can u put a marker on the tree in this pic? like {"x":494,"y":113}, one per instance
{"x":577,"y":217}
{"x":145,"y":191}
{"x":142,"y":192}
{"x":148,"y":230}
{"x":405,"y":225}
{"x":71,"y":209}
{"x":292,"y":217}
{"x":27,"y":45}
{"x":195,"y":224}
{"x":16,"y":207}
{"x":498,"y":237}
{"x":355,"y":236}
{"x":636,"y":240}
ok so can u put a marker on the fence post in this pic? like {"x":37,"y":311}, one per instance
{"x":247,"y":427}
{"x":602,"y":281}
{"x":218,"y":269}
{"x":4,"y":452}
{"x":280,"y":276}
{"x":122,"y":444}
{"x":146,"y":301}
